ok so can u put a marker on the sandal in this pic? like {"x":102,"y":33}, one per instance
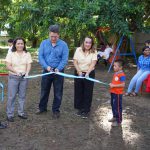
{"x":127,"y":94}
{"x":133,"y":94}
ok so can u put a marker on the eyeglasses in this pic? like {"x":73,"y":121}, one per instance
{"x":55,"y":37}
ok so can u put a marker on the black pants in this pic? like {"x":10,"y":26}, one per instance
{"x":45,"y":90}
{"x":83,"y":92}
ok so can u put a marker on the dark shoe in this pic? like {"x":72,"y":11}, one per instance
{"x":39,"y":112}
{"x":78,"y":113}
{"x":56,"y":115}
{"x":112,"y":120}
{"x":116,"y":124}
{"x":23,"y":116}
{"x":85,"y":115}
{"x":3,"y":126}
{"x":10,"y":119}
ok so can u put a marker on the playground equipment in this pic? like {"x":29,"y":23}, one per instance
{"x":2,"y":92}
{"x":125,"y":46}
{"x":120,"y":51}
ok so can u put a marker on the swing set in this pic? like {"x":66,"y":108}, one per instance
{"x":124,"y":46}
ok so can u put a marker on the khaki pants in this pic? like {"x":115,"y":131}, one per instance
{"x":16,"y":85}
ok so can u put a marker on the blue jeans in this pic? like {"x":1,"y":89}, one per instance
{"x":46,"y":83}
{"x":137,"y":80}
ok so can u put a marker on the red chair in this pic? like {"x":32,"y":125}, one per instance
{"x":146,"y":82}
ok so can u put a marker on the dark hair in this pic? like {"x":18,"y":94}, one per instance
{"x":144,"y":48}
{"x":92,"y":49}
{"x":54,"y":28}
{"x":120,"y":62}
{"x":14,"y":44}
{"x":147,"y":41}
{"x":10,"y":40}
{"x":109,"y":44}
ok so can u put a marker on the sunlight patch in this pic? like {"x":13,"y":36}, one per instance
{"x":103,"y":113}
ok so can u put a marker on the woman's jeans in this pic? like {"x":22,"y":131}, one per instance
{"x":137,"y":80}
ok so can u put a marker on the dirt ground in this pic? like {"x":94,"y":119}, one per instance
{"x":41,"y":132}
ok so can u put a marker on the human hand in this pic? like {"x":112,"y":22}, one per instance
{"x":19,"y":74}
{"x":87,"y":75}
{"x":48,"y":68}
{"x":56,"y":70}
{"x":26,"y":74}
{"x":79,"y":73}
{"x":111,"y":85}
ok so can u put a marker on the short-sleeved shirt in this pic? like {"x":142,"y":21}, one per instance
{"x":144,"y":63}
{"x":106,"y":53}
{"x":19,"y":62}
{"x":118,"y":78}
{"x":84,"y":61}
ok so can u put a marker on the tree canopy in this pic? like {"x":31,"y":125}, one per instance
{"x":77,"y":18}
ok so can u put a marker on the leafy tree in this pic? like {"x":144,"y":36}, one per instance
{"x":77,"y":18}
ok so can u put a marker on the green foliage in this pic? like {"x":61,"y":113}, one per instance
{"x":77,"y":18}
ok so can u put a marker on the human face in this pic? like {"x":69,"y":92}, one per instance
{"x":87,"y":43}
{"x":146,"y":52}
{"x":117,"y":67}
{"x":19,"y":45}
{"x":10,"y":44}
{"x":53,"y":37}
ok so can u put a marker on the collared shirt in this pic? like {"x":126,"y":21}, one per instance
{"x":10,"y":49}
{"x":19,"y":62}
{"x":84,"y":61}
{"x":144,"y":63}
{"x":53,"y":56}
{"x":118,"y":78}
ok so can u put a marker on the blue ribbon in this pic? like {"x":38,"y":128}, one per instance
{"x":2,"y":92}
{"x":67,"y":76}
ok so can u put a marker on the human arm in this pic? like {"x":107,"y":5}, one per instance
{"x":42,"y":57}
{"x":10,"y":68}
{"x":91,"y":67}
{"x":75,"y":62}
{"x":64,"y":58}
{"x":117,"y":85}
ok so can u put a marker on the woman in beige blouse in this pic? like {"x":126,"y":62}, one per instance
{"x":85,"y":59}
{"x":19,"y":64}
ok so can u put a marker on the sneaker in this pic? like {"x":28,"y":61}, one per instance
{"x":10,"y":119}
{"x":39,"y":112}
{"x":3,"y":126}
{"x":23,"y":116}
{"x":56,"y":115}
{"x":112,"y":120}
{"x":116,"y":124}
{"x":85,"y":115}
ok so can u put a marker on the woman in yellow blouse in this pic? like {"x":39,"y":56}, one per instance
{"x":85,"y":59}
{"x":18,"y":63}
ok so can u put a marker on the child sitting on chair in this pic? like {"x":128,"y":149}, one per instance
{"x":106,"y":53}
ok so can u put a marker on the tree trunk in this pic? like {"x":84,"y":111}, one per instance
{"x":34,"y":43}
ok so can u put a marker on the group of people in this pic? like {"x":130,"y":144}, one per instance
{"x":53,"y":56}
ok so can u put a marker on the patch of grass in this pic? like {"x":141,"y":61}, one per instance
{"x":3,"y":68}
